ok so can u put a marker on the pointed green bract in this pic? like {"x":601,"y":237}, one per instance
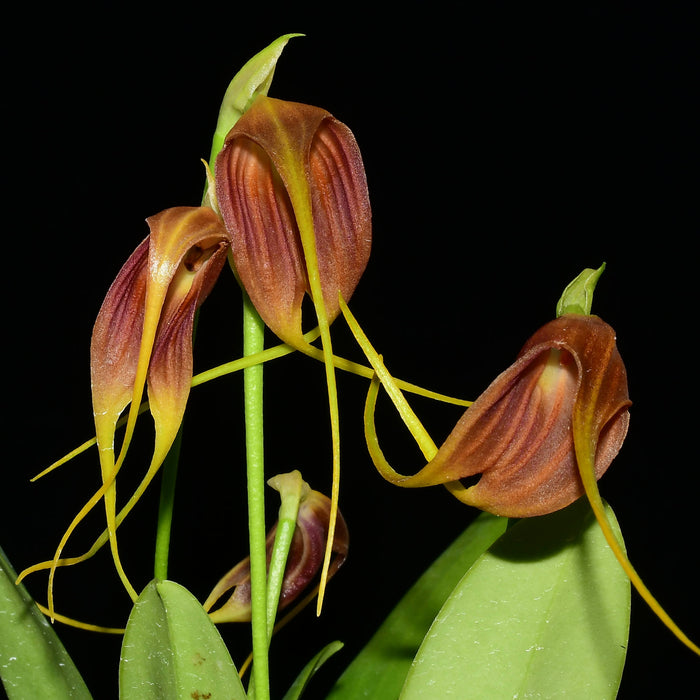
{"x":171,"y":649}
{"x":33,"y":661}
{"x":577,"y":298}
{"x":252,"y":80}
{"x":560,"y":632}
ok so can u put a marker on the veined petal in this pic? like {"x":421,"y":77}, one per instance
{"x":518,"y":433}
{"x":284,"y":164}
{"x":116,"y":340}
{"x":265,"y":240}
{"x":341,"y":210}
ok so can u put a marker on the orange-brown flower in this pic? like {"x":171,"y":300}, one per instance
{"x":143,"y":334}
{"x":143,"y":331}
{"x":519,"y":435}
{"x":292,"y":192}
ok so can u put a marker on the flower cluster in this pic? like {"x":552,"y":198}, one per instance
{"x":288,"y":206}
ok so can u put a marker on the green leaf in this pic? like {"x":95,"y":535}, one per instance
{"x":544,"y":613}
{"x":302,"y":680}
{"x":33,"y":661}
{"x":380,"y":669}
{"x":172,"y":649}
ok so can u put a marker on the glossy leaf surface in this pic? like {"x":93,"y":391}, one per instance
{"x":33,"y":661}
{"x":302,"y":680}
{"x":544,"y":613}
{"x":172,"y":649}
{"x":380,"y":669}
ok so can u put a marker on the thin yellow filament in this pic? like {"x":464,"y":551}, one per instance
{"x":272,"y":353}
{"x":410,"y":419}
{"x":585,"y":456}
{"x":307,"y":232}
{"x":77,"y":623}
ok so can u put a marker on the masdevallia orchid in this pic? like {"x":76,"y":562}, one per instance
{"x":519,"y":434}
{"x":143,"y":336}
{"x":292,"y":192}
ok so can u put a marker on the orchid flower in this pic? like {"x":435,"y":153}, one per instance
{"x":292,"y":192}
{"x":519,"y":434}
{"x":143,"y":335}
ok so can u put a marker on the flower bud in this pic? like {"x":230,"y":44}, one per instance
{"x":303,"y":565}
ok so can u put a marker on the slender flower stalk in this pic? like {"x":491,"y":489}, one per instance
{"x":253,"y":342}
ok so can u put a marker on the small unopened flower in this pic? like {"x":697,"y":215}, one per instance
{"x":292,"y":192}
{"x":303,"y":564}
{"x":518,"y":436}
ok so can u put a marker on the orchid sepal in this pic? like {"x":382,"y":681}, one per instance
{"x":293,"y":194}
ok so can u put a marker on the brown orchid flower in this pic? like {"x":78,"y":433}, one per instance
{"x":143,"y":335}
{"x":292,"y":192}
{"x":519,"y":434}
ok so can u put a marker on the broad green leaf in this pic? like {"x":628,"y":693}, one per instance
{"x":380,"y":669}
{"x":544,"y":613}
{"x":172,"y":649}
{"x":33,"y":661}
{"x":302,"y":680}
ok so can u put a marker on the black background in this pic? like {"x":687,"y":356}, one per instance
{"x":506,"y":148}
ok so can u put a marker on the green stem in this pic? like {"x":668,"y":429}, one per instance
{"x":165,"y":508}
{"x":253,"y":342}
